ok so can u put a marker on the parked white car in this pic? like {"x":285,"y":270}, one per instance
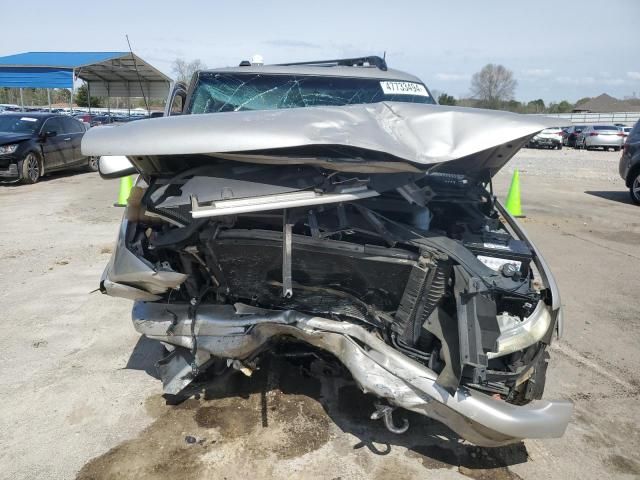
{"x":547,"y":138}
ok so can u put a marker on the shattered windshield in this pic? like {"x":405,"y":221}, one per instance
{"x":232,"y":92}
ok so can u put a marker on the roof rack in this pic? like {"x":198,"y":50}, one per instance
{"x":373,"y":60}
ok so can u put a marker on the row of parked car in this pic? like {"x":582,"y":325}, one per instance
{"x":106,"y":119}
{"x":35,"y":143}
{"x":587,"y":137}
{"x":90,"y":119}
{"x":617,"y":137}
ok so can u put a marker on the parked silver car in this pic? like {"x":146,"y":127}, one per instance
{"x":600,"y":136}
{"x":333,"y":208}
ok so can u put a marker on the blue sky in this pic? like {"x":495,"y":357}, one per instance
{"x":557,"y":49}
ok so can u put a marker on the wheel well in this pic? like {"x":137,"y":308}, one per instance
{"x":39,"y":155}
{"x":635,"y":170}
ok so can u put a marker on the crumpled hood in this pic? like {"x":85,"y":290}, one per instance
{"x":419,"y":136}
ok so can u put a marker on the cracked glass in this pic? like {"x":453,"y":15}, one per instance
{"x":226,"y":92}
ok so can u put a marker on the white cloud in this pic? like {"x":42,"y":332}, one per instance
{"x":633,"y":75}
{"x":576,"y":80}
{"x":581,"y":81}
{"x":452,"y":77}
{"x":537,"y":72}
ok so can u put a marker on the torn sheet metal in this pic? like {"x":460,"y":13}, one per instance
{"x":129,"y":276}
{"x":419,"y":135}
{"x":376,"y":366}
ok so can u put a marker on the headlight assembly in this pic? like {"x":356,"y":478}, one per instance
{"x":6,"y":149}
{"x":522,"y":335}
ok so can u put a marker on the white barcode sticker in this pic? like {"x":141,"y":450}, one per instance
{"x":404,"y":88}
{"x":28,"y":119}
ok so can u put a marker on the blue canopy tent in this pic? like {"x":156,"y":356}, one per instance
{"x":119,"y":74}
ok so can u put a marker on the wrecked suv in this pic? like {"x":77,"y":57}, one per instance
{"x":335,"y":207}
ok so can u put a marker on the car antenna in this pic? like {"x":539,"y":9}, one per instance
{"x":135,"y":66}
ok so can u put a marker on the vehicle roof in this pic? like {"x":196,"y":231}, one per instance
{"x":32,"y":114}
{"x":323,"y":71}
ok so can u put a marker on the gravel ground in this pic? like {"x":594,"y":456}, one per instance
{"x":80,"y":399}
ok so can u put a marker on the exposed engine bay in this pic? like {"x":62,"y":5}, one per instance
{"x":422,"y":263}
{"x":368,"y":232}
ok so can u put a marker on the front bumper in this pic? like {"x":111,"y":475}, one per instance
{"x":544,"y":142}
{"x":238,"y":332}
{"x":9,"y":172}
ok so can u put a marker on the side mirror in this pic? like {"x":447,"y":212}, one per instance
{"x":177,"y":100}
{"x":115,"y":166}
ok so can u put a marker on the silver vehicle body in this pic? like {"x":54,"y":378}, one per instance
{"x":396,"y":129}
{"x":601,"y":136}
{"x":391,"y":138}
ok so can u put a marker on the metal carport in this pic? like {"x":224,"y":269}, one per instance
{"x":117,"y":74}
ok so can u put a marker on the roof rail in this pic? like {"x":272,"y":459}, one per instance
{"x":345,"y":62}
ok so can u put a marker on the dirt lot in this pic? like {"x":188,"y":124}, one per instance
{"x":79,"y":397}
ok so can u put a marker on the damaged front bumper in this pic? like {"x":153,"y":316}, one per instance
{"x":125,"y":269}
{"x":353,"y":241}
{"x":238,"y":332}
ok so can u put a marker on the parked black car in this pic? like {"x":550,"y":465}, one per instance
{"x":569,"y":138}
{"x":630,"y":163}
{"x":34,"y":144}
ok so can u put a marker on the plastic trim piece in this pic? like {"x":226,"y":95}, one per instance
{"x":276,"y":202}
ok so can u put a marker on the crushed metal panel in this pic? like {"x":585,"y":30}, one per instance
{"x":421,"y":134}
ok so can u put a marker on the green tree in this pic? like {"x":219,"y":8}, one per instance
{"x":562,"y":107}
{"x":536,"y":106}
{"x":582,"y":100}
{"x":82,"y":97}
{"x":512,"y":106}
{"x":565,"y":107}
{"x":445,"y":99}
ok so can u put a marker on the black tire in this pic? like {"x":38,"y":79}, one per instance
{"x":31,"y":170}
{"x":559,"y":147}
{"x":634,"y":189}
{"x":92,"y":164}
{"x":616,"y":149}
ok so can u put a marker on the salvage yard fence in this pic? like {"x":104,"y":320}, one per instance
{"x":626,"y":118}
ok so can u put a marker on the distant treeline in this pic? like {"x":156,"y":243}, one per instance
{"x":38,"y":97}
